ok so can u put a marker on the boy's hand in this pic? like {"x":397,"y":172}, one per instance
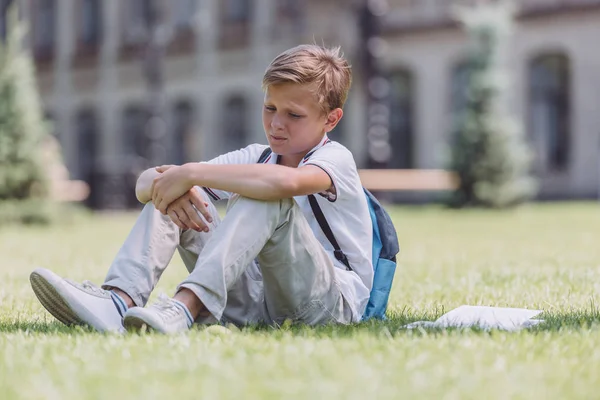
{"x":185,"y":216}
{"x":172,"y":183}
{"x":164,"y":168}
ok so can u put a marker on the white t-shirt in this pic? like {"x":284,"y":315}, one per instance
{"x":344,"y":206}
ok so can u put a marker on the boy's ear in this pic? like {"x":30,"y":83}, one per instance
{"x":333,"y":118}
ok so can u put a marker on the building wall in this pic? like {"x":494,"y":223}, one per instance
{"x":207,"y":74}
{"x":431,"y":55}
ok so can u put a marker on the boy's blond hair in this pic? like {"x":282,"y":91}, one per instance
{"x":326,"y":68}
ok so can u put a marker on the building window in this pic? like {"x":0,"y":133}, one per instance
{"x":44,"y":29}
{"x":136,"y":152}
{"x":401,"y":120}
{"x":88,"y":21}
{"x":182,"y":18}
{"x":235,"y":23}
{"x":459,"y":89}
{"x":289,"y":8}
{"x":87,"y":151}
{"x":50,"y":122}
{"x":4,"y":7}
{"x":340,"y":132}
{"x":184,"y":12}
{"x":235,"y":124}
{"x":237,"y":10}
{"x":290,"y":18}
{"x":549,"y":77}
{"x":90,"y":30}
{"x":182,"y":145}
{"x":135,"y":141}
{"x":135,"y":17}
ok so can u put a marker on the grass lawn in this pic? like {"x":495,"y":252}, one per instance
{"x":541,"y":256}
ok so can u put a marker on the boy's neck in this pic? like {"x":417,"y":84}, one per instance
{"x":293,"y":160}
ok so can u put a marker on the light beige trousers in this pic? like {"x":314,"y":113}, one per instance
{"x":261,"y":264}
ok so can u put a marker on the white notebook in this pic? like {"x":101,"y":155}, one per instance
{"x":508,"y":319}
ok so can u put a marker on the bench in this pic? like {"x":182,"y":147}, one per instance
{"x":69,"y":190}
{"x":425,"y":180}
{"x":408,"y":179}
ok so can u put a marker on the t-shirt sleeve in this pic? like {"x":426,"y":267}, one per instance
{"x":339,"y":164}
{"x":248,"y":155}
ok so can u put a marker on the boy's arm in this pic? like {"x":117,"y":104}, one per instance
{"x":256,"y":181}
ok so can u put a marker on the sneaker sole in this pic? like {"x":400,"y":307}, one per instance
{"x":53,"y":301}
{"x":138,"y":320}
{"x":60,"y":304}
{"x":135,"y":324}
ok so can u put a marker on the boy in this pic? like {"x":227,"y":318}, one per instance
{"x":268,"y":260}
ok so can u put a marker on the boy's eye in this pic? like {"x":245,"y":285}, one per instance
{"x":270,"y":108}
{"x":295,"y":115}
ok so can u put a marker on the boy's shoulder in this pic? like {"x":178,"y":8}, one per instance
{"x":253,"y":151}
{"x":256,"y":147}
{"x":335,"y":152}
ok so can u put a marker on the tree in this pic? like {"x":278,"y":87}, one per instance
{"x":22,"y":127}
{"x":489,"y":151}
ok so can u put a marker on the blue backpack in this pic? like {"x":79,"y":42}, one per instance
{"x":385,"y":248}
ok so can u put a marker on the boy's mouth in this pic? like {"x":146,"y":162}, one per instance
{"x":278,"y":138}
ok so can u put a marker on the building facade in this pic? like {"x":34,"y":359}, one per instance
{"x":91,"y":77}
{"x":554,"y":66}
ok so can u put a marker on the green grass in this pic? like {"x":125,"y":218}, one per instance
{"x":541,"y":257}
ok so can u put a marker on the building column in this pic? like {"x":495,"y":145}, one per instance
{"x":261,"y":52}
{"x":432,"y":118}
{"x":108,"y":105}
{"x":63,"y":87}
{"x":355,"y":124}
{"x":111,"y":164}
{"x":207,"y":37}
{"x":584,"y":157}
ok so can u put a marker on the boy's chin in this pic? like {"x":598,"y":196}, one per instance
{"x":279,"y":147}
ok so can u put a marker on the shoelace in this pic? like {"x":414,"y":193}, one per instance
{"x":166,"y":307}
{"x":92,"y":287}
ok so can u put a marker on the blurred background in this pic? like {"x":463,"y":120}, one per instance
{"x":135,"y":83}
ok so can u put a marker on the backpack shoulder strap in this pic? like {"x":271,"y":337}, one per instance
{"x":265,"y":154}
{"x":337,"y":251}
{"x":316,"y":209}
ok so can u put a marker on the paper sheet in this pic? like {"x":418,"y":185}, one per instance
{"x":508,"y":319}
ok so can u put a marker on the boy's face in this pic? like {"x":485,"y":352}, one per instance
{"x":293,"y":120}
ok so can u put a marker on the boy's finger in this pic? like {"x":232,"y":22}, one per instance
{"x":201,"y":206}
{"x":175,"y":218}
{"x":195,"y":217}
{"x":162,"y":206}
{"x":185,"y":219}
{"x":153,"y":193}
{"x":163,"y":168}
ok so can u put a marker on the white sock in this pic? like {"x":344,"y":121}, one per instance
{"x":188,"y":314}
{"x":119,"y":303}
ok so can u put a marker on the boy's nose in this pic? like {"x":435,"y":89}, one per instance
{"x":276,"y":124}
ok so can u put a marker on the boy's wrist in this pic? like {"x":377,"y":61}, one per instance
{"x":191,"y":174}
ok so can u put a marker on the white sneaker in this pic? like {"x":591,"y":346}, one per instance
{"x":166,"y":315}
{"x":76,"y":304}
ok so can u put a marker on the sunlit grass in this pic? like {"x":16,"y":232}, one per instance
{"x":541,"y":257}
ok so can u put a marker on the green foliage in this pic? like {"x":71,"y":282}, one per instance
{"x":489,"y":152}
{"x":25,"y":211}
{"x":22,"y":129}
